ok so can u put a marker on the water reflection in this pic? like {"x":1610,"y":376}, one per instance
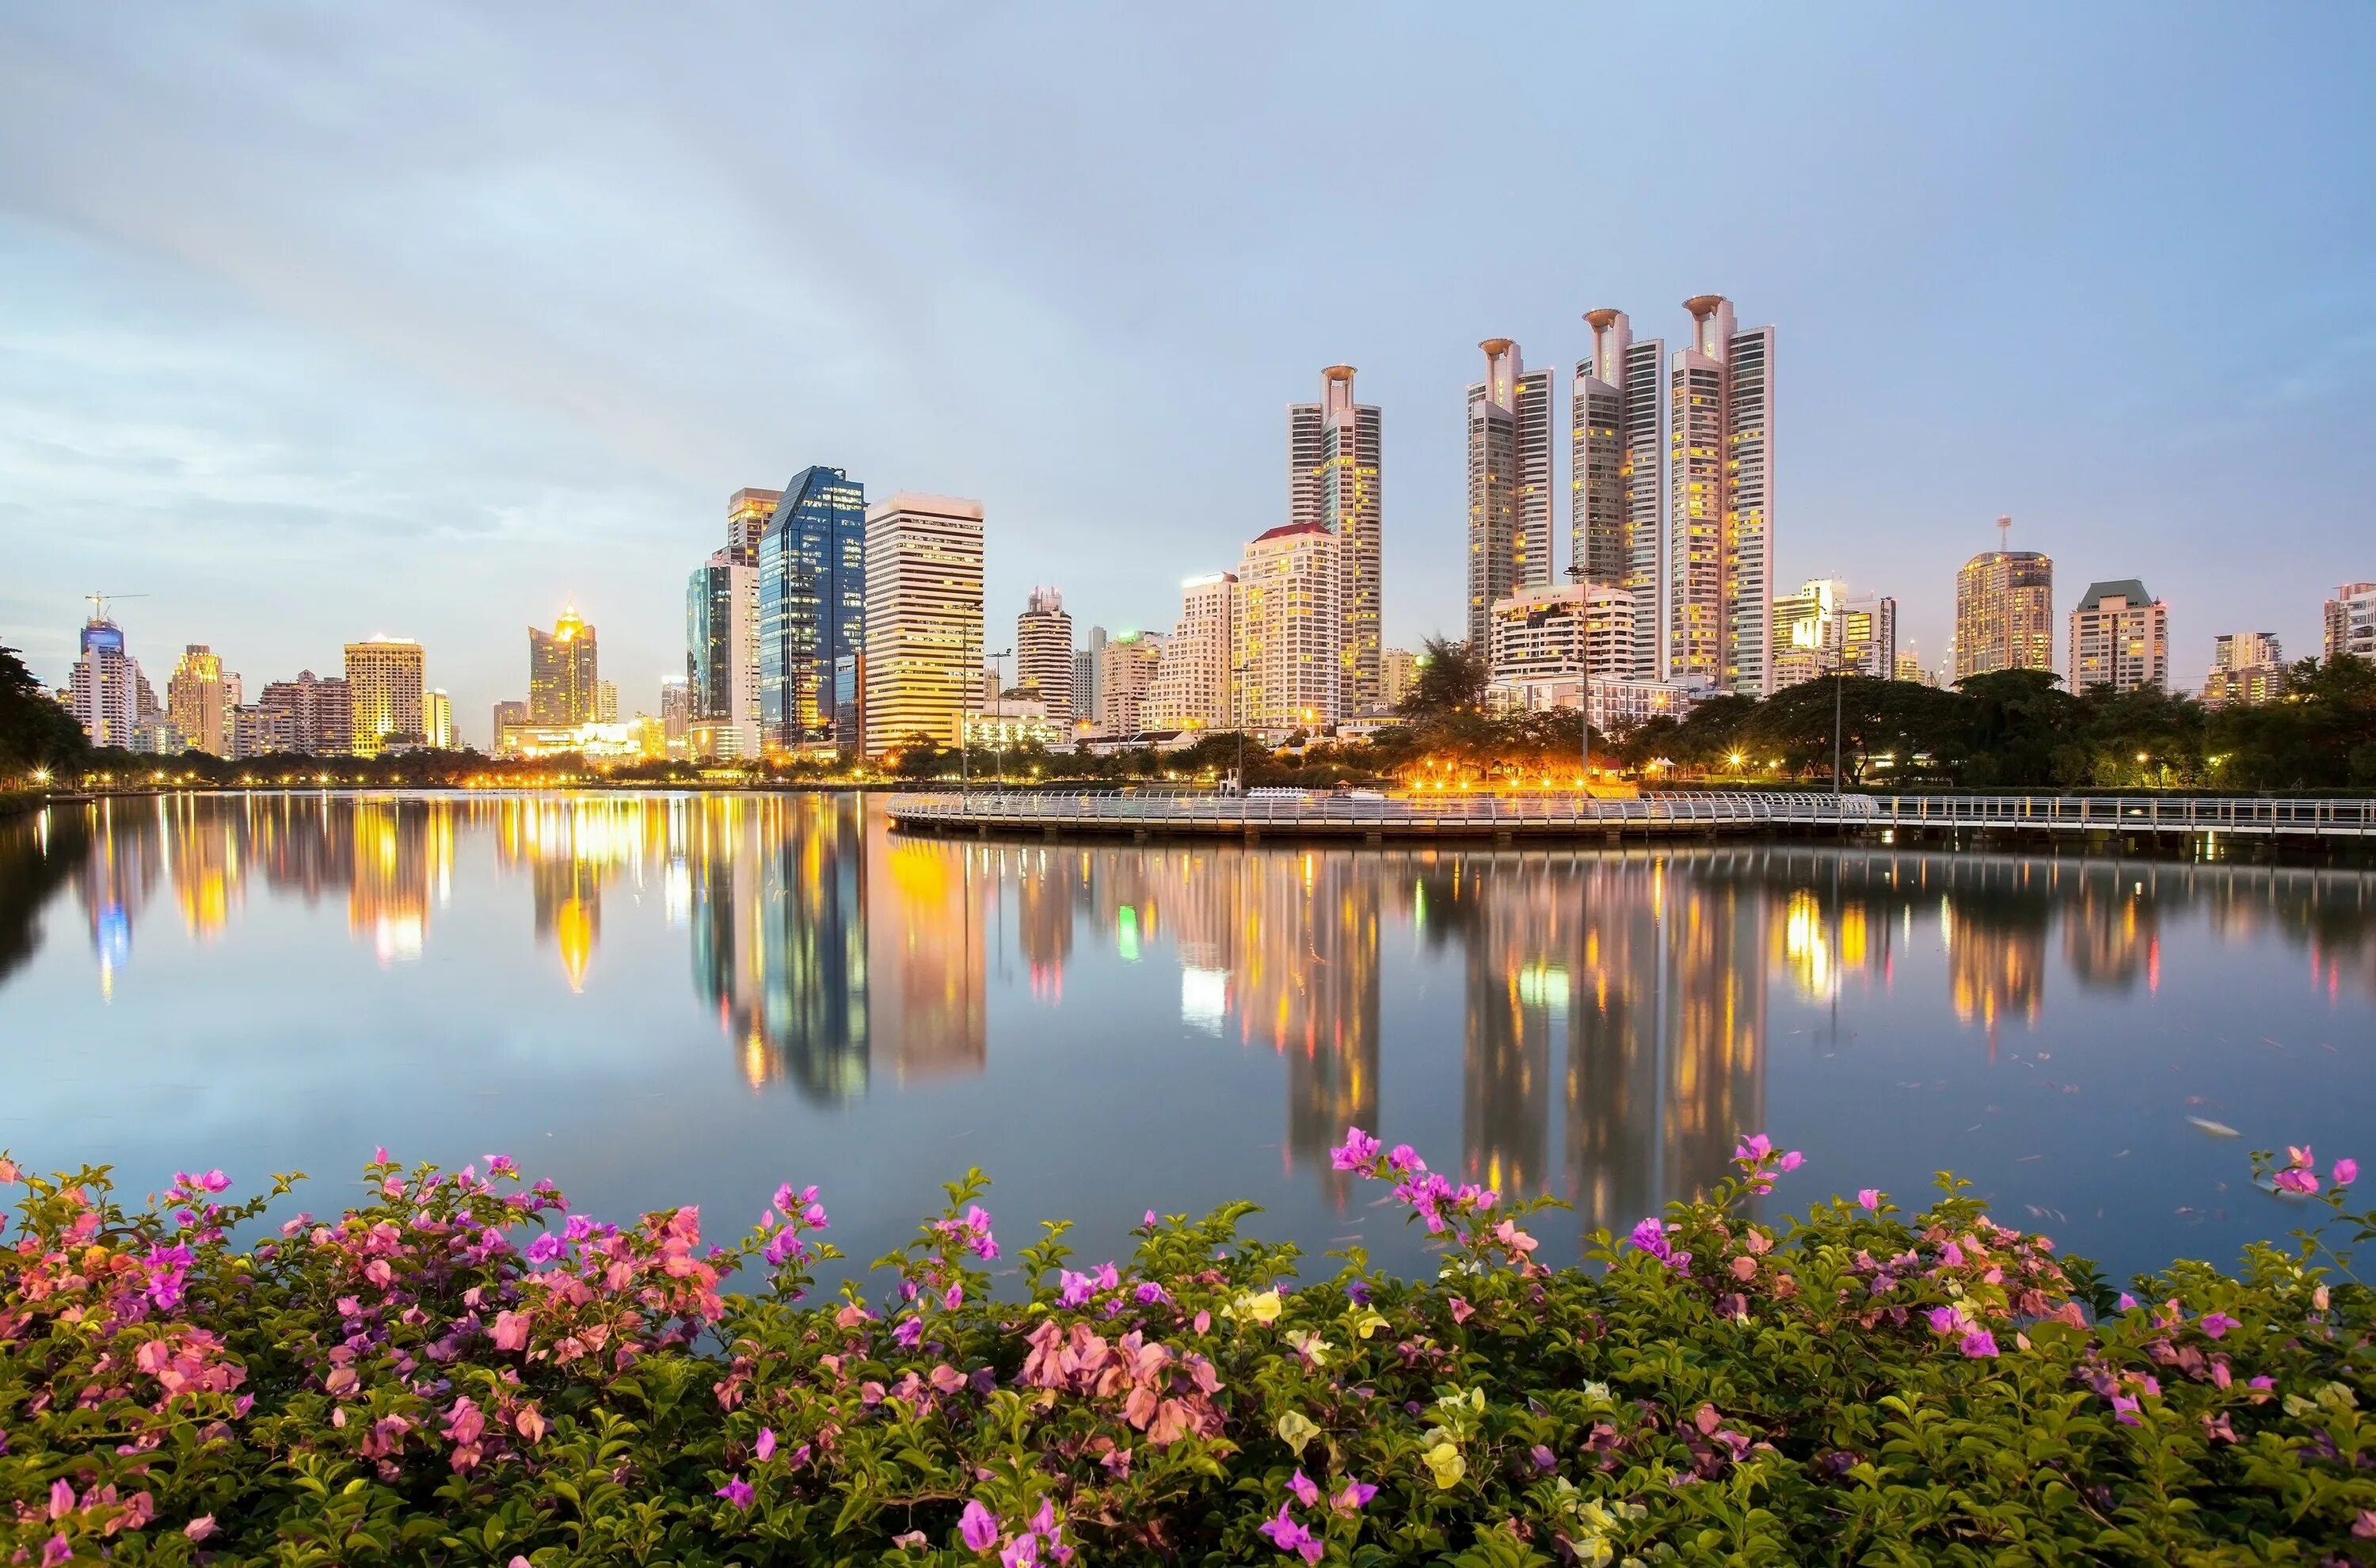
{"x":1618,"y":1015}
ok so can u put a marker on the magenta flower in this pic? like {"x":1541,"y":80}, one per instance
{"x":1305,"y":1492}
{"x":545,"y":1248}
{"x":2217,"y":1324}
{"x":909,"y":1331}
{"x":954,"y":1297}
{"x":1545,"y":1460}
{"x":2124,"y":1409}
{"x":2346,"y":1172}
{"x":200,"y":1528}
{"x":978,"y":1528}
{"x":1023,"y":1551}
{"x":1869,"y":1199}
{"x":1793,"y":1160}
{"x":1288,"y":1536}
{"x":736,"y":1491}
{"x":1353,"y":1496}
{"x":765,"y":1449}
{"x":1356,"y":1152}
{"x":1751,"y":1149}
{"x":2295,"y":1178}
{"x":1072,"y":1288}
{"x":1979,"y":1342}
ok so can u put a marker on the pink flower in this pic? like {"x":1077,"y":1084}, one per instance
{"x":909,"y":1331}
{"x":2217,"y":1324}
{"x":1355,"y":1494}
{"x":978,"y":1528}
{"x":1461,"y":1311}
{"x":200,"y":1528}
{"x":1305,"y":1492}
{"x":1869,"y":1199}
{"x":736,"y":1491}
{"x":910,"y":1541}
{"x":1979,"y":1342}
{"x":1356,"y":1152}
{"x":2365,"y":1526}
{"x":952,"y":1298}
{"x":510,"y":1332}
{"x":1793,"y":1160}
{"x":1023,"y":1551}
{"x":765,"y":1448}
{"x":56,"y":1549}
{"x":8,"y":1171}
{"x":2125,"y":1409}
{"x":1752,"y":1149}
{"x":2295,"y":1178}
{"x":1545,"y":1460}
{"x":2346,"y":1172}
{"x":1288,"y":1536}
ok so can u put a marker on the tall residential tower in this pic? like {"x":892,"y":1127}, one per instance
{"x":1043,"y":654}
{"x":923,"y":618}
{"x":1720,"y":502}
{"x":2005,"y":611}
{"x":1616,"y":490}
{"x":1509,"y":484}
{"x":1332,"y":482}
{"x":812,"y":613}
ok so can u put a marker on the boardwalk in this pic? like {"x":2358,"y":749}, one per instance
{"x":1379,"y":817}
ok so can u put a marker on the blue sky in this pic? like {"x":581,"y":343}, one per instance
{"x":421,"y":318}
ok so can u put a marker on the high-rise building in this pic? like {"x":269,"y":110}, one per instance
{"x":1616,"y":520}
{"x":384,"y":688}
{"x":1720,"y":502}
{"x":103,"y":692}
{"x":508,"y":716}
{"x":1333,"y":482}
{"x":2119,"y":638}
{"x":1868,"y":637}
{"x":1806,"y":631}
{"x":321,"y":718}
{"x":1088,"y":678}
{"x":2246,"y":667}
{"x":438,"y":718}
{"x":923,"y":618}
{"x":721,"y":648}
{"x":1289,"y":628}
{"x":258,"y":730}
{"x":747,"y":512}
{"x":812,"y":613}
{"x":194,"y":700}
{"x":1908,"y":667}
{"x":1398,"y":672}
{"x":2350,"y":622}
{"x":1043,"y":655}
{"x":1126,"y":674}
{"x":2004,"y":611}
{"x":1567,"y":630}
{"x":676,"y":715}
{"x":1191,"y":685}
{"x":606,"y":702}
{"x":1509,"y":483}
{"x":562,"y":671}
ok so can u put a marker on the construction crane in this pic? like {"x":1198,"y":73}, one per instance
{"x":99,"y":602}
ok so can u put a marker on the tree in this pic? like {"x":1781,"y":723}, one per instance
{"x":34,"y":730}
{"x":2012,"y":723}
{"x":1452,"y":678}
{"x":1874,"y":718}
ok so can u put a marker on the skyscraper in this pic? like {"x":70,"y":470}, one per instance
{"x":194,"y":700}
{"x":1806,"y":631}
{"x":923,"y":618}
{"x":1720,"y":501}
{"x":813,"y":612}
{"x":2246,"y":667}
{"x":2119,"y":638}
{"x":437,"y":719}
{"x":104,"y":688}
{"x":321,"y":718}
{"x":1089,"y":677}
{"x":1397,"y":669}
{"x":2350,"y":622}
{"x":1334,"y":449}
{"x":721,"y":643}
{"x":1617,"y":525}
{"x":562,"y":671}
{"x":1191,"y":687}
{"x":1509,"y":484}
{"x":1126,"y":667}
{"x":747,"y":511}
{"x":1289,"y":628}
{"x":1043,"y":654}
{"x":385,"y":688}
{"x":2004,"y":611}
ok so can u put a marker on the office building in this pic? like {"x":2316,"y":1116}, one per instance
{"x":1509,"y":483}
{"x":384,"y":689}
{"x":508,"y":716}
{"x":197,"y":702}
{"x":1617,"y":481}
{"x":258,"y":731}
{"x":1398,"y":672}
{"x":1191,"y":685}
{"x":1334,"y":482}
{"x":1908,"y":667}
{"x":923,"y":618}
{"x":1806,"y":631}
{"x":437,"y":719}
{"x":721,"y":654}
{"x":676,"y":717}
{"x":321,"y":716}
{"x":1089,"y":677}
{"x":812,"y":613}
{"x":561,"y":673}
{"x":2350,"y":622}
{"x":2246,"y":667}
{"x":747,"y":513}
{"x":1568,"y":631}
{"x":1043,"y":654}
{"x":2119,"y":639}
{"x":1868,"y":635}
{"x":103,"y":692}
{"x":1720,"y":502}
{"x":1289,"y":628}
{"x":606,"y":702}
{"x":1127,"y":673}
{"x":2004,"y":611}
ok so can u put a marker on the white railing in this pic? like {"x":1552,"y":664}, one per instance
{"x":1736,"y":808}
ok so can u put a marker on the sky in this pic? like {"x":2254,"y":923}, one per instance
{"x":426,"y":319}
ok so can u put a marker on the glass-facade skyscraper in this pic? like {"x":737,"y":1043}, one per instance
{"x":813,"y":612}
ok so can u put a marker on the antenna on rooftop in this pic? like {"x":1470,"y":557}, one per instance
{"x":2004,"y":533}
{"x":99,"y":602}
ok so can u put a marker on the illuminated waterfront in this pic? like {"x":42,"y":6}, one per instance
{"x":689,"y":997}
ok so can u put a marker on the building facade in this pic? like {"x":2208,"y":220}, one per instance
{"x":1289,"y":630}
{"x":103,"y":692}
{"x":197,"y":701}
{"x":562,"y":671}
{"x":1720,"y":562}
{"x":1509,"y":483}
{"x":1806,"y":631}
{"x":721,"y":652}
{"x":2119,"y":639}
{"x":2004,"y":613}
{"x":1191,"y":689}
{"x":1043,"y":653}
{"x":1868,"y":636}
{"x":1617,"y":474}
{"x":1334,"y":461}
{"x":2246,"y":667}
{"x":748,"y":511}
{"x":437,"y":719}
{"x":2350,"y":622}
{"x":1088,"y":680}
{"x":1398,"y":672}
{"x":924,"y":618}
{"x":321,"y":713}
{"x":812,"y":613}
{"x":384,"y":689}
{"x":1126,"y":671}
{"x":1542,"y":633}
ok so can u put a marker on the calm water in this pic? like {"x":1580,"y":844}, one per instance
{"x":688,"y":998}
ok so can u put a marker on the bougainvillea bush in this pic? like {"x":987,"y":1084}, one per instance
{"x":461,"y":1370}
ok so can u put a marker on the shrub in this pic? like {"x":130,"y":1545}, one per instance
{"x":460,"y":1371}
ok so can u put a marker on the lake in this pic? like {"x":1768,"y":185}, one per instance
{"x":689,"y":998}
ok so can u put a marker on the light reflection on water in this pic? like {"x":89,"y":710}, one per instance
{"x":1107,"y":1027}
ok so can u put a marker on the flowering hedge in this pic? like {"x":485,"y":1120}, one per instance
{"x":461,"y":1372}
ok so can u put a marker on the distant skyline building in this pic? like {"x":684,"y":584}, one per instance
{"x":2349,"y":621}
{"x":1043,"y":654}
{"x":1720,"y":502}
{"x":1398,"y":671}
{"x":812,"y":613}
{"x":1088,"y":678}
{"x":2247,"y":668}
{"x":320,"y":713}
{"x":923,"y":618}
{"x":437,"y":719}
{"x":676,"y":715}
{"x":197,"y":702}
{"x":1617,"y":482}
{"x":1868,"y":635}
{"x":606,"y":702}
{"x":1289,"y":630}
{"x":748,"y":511}
{"x":383,"y":684}
{"x":507,"y":717}
{"x":1334,"y":481}
{"x":2004,"y":611}
{"x":721,"y":653}
{"x":562,"y":670}
{"x":2119,"y":638}
{"x":1191,"y":685}
{"x":1127,"y":667}
{"x":1806,"y":631}
{"x":103,"y":692}
{"x":1509,"y":483}
{"x":1579,"y":628}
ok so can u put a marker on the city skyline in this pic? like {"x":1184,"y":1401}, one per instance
{"x":335,"y":379}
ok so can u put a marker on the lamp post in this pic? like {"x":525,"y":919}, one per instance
{"x":1582,"y":670}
